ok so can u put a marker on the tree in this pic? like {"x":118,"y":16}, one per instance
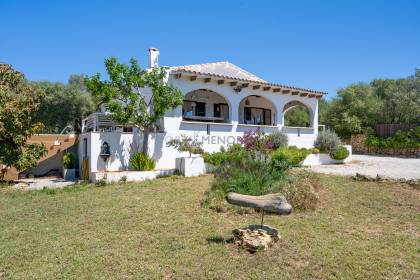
{"x":19,"y":102}
{"x":354,"y":107}
{"x":360,"y":106}
{"x":298,"y":116}
{"x":72,"y":97}
{"x":133,"y":96}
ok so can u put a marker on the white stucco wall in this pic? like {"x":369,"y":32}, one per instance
{"x":212,"y":135}
{"x":279,"y":100}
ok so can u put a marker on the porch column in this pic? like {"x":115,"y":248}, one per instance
{"x":314,"y":116}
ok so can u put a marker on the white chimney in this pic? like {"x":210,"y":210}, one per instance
{"x":153,"y":57}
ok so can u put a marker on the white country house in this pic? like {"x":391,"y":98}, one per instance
{"x":221,"y":102}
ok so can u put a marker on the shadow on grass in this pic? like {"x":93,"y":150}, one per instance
{"x":217,"y":239}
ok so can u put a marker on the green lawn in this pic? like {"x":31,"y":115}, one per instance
{"x":157,"y":229}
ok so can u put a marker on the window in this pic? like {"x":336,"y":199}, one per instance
{"x":200,"y":109}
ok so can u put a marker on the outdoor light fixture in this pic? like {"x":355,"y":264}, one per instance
{"x":247,"y":102}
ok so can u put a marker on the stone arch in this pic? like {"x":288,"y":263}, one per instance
{"x":257,"y":110}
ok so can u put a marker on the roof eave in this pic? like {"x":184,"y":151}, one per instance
{"x":285,"y":87}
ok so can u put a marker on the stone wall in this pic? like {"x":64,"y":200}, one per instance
{"x":357,"y":142}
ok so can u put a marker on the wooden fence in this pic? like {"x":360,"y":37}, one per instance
{"x":388,"y":130}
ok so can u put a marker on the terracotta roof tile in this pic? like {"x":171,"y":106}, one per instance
{"x":227,"y":70}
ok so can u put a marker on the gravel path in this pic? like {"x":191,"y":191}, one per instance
{"x":40,"y":183}
{"x":387,"y":167}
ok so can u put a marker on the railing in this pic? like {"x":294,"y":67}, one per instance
{"x":298,"y":130}
{"x":206,"y":126}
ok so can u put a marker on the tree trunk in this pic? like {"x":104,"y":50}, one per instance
{"x":145,"y":148}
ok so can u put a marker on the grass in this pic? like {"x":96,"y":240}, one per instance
{"x":157,"y":229}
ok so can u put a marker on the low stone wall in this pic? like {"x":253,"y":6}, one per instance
{"x":131,"y":176}
{"x":359,"y":147}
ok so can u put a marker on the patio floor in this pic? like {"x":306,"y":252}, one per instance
{"x":386,"y":167}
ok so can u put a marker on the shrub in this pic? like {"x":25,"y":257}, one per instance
{"x":186,"y":144}
{"x":315,"y":151}
{"x":277,"y":139}
{"x":301,"y":191}
{"x":255,"y":141}
{"x":235,"y":153}
{"x":285,"y":158}
{"x":123,"y":179}
{"x":142,"y":162}
{"x":69,"y":161}
{"x":326,"y":141}
{"x":400,"y":140}
{"x":214,"y":158}
{"x":100,"y":183}
{"x":339,"y":153}
{"x":253,"y":177}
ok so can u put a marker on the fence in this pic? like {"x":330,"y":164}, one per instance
{"x":388,"y":130}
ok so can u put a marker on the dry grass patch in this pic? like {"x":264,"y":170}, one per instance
{"x":158,"y":229}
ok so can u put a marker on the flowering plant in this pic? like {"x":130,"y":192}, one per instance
{"x":256,"y":141}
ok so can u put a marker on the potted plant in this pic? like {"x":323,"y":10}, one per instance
{"x":69,"y":163}
{"x":191,"y":165}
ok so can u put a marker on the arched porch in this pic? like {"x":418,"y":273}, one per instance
{"x":257,"y":110}
{"x":204,"y":105}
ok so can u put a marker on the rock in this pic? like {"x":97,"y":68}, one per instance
{"x":254,"y":238}
{"x":275,"y":203}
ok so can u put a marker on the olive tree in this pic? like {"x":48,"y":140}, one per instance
{"x":19,"y":102}
{"x":124,"y":95}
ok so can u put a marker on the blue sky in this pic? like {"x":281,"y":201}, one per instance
{"x":322,"y":45}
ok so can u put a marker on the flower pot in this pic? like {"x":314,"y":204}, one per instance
{"x":191,"y":166}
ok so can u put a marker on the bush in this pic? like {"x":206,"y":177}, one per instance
{"x":301,"y":191}
{"x":401,"y":140}
{"x":277,"y":139}
{"x":255,"y":141}
{"x":252,"y":177}
{"x":315,"y":151}
{"x":326,"y":141}
{"x":142,"y":162}
{"x":123,"y":179}
{"x":100,"y":183}
{"x":339,"y":153}
{"x":235,"y":153}
{"x":186,"y":144}
{"x":214,"y":158}
{"x":285,"y":158}
{"x":69,"y":161}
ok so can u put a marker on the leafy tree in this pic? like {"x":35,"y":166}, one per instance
{"x":323,"y":108}
{"x":19,"y":102}
{"x":400,"y":99}
{"x":64,"y":104}
{"x":360,"y":106}
{"x":133,"y":96}
{"x":354,"y":107}
{"x":298,"y":116}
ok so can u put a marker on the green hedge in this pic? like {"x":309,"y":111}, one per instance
{"x":401,"y":140}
